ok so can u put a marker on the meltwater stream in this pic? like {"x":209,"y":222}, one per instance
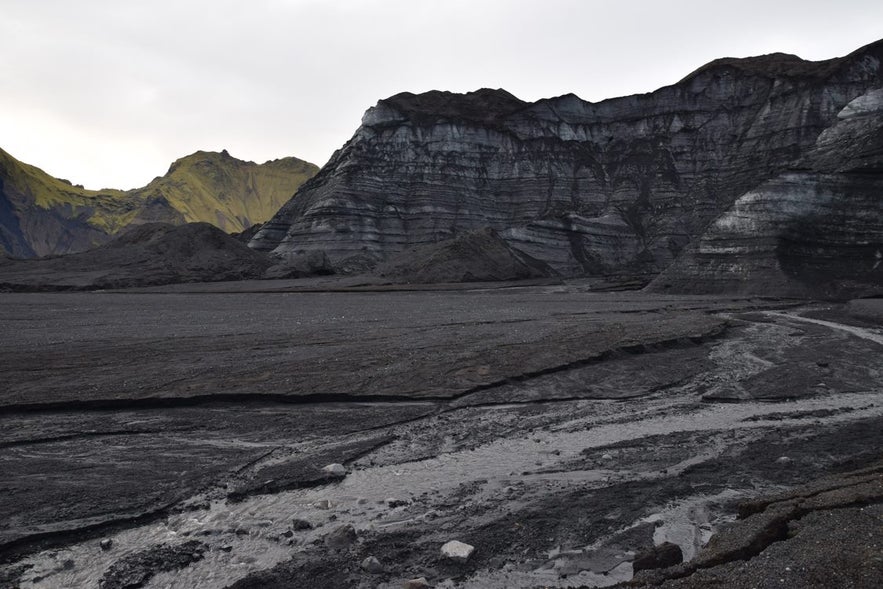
{"x":249,"y":536}
{"x":245,"y":537}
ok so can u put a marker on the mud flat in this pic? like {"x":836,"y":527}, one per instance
{"x":171,"y":438}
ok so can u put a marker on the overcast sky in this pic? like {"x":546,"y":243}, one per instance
{"x":107,"y":93}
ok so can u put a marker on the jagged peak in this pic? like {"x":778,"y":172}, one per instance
{"x":290,"y":162}
{"x":566,"y":100}
{"x":770,"y":65}
{"x":204,"y":156}
{"x":566,"y":97}
{"x":874,"y":48}
{"x":223,"y":157}
{"x":786,"y":64}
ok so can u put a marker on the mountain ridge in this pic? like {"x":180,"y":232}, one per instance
{"x":41,"y":215}
{"x":613,"y":188}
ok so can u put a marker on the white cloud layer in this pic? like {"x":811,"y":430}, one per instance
{"x":107,"y":93}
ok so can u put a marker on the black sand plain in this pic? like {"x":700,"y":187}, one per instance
{"x":559,"y":431}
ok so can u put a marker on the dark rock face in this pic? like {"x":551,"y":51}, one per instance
{"x":341,"y":537}
{"x":475,"y":256}
{"x":246,"y":234}
{"x":137,"y":569}
{"x":313,"y":263}
{"x":658,"y":557}
{"x":824,"y":534}
{"x":613,"y":188}
{"x":815,"y":231}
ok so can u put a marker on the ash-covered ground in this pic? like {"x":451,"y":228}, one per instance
{"x":177,"y":437}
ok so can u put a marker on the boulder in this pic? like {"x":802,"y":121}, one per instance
{"x":372,"y":565}
{"x":341,"y":537}
{"x":298,"y":524}
{"x":659,"y":557}
{"x":458,"y":551}
{"x":335,"y":469}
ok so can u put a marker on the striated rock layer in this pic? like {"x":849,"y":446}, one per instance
{"x":618,"y":187}
{"x":41,"y":215}
{"x":813,"y":231}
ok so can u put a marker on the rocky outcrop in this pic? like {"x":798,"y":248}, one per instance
{"x":615,"y":188}
{"x":313,"y":263}
{"x":658,"y":557}
{"x":813,"y":231}
{"x":145,"y":255}
{"x":824,"y":534}
{"x":135,"y":570}
{"x":475,"y":256}
{"x":41,"y":215}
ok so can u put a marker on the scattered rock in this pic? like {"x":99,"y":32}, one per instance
{"x":372,"y":565}
{"x":659,"y":557}
{"x":418,"y":583}
{"x":323,"y":504}
{"x":226,"y":548}
{"x":341,"y":537}
{"x":137,"y":569}
{"x":456,"y":550}
{"x":335,"y":469}
{"x":106,"y":544}
{"x":298,"y":524}
{"x":392,"y":502}
{"x":783,"y":460}
{"x":607,"y":457}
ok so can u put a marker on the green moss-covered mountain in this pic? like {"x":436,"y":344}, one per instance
{"x":41,"y":215}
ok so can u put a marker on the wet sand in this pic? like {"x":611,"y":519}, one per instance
{"x":558,"y":431}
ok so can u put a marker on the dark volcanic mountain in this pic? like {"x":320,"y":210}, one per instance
{"x":41,"y":215}
{"x":144,"y":255}
{"x":616,"y":188}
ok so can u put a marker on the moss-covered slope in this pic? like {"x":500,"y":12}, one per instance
{"x":41,"y":215}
